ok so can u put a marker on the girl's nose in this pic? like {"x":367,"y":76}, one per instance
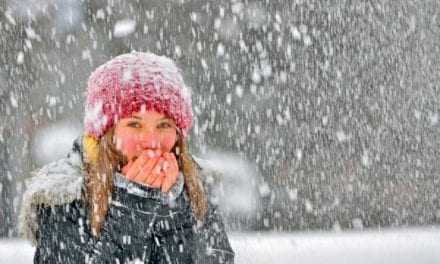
{"x":149,"y":140}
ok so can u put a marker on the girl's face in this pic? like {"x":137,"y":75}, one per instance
{"x":144,"y":130}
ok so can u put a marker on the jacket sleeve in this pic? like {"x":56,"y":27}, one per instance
{"x":214,"y":246}
{"x":62,"y":235}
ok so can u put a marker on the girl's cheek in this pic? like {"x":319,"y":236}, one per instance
{"x":168,"y":141}
{"x":127,"y":145}
{"x":130,"y":145}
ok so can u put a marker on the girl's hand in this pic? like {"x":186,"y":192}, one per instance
{"x":165,"y":173}
{"x":139,"y":169}
{"x":153,"y":169}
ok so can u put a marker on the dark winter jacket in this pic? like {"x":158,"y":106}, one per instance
{"x":142,"y":226}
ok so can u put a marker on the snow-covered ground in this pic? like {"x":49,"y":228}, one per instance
{"x":399,"y":246}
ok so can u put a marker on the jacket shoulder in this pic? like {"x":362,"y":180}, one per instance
{"x":55,"y":184}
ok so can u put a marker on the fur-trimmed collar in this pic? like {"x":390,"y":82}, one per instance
{"x":56,"y":183}
{"x":61,"y":182}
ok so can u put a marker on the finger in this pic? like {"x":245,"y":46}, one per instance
{"x":155,"y":172}
{"x":150,"y":153}
{"x":146,"y":170}
{"x":136,"y":166}
{"x":127,"y":167}
{"x":174,"y":161}
{"x":171,"y":159}
{"x":159,"y":151}
{"x":134,"y":171}
{"x":169,"y":181}
{"x":166,"y":163}
{"x":171,"y":170}
{"x":159,"y":180}
{"x":171,"y":167}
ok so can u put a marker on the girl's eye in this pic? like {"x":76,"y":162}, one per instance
{"x":164,"y":125}
{"x":134,"y":124}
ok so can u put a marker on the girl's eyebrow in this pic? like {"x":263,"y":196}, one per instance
{"x":163,"y":118}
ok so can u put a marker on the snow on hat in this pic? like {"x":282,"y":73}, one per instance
{"x":135,"y":81}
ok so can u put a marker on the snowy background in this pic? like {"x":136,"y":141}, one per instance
{"x":324,"y":115}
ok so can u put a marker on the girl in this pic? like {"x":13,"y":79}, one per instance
{"x":129,"y":191}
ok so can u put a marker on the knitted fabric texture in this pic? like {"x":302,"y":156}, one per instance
{"x":134,"y":82}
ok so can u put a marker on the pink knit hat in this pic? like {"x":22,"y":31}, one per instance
{"x":130,"y":81}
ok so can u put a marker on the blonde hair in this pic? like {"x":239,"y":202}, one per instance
{"x":102,"y":159}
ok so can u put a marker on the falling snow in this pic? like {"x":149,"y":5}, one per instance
{"x":321,"y":115}
{"x":124,"y":28}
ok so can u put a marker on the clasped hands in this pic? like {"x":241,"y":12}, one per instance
{"x":153,"y":168}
